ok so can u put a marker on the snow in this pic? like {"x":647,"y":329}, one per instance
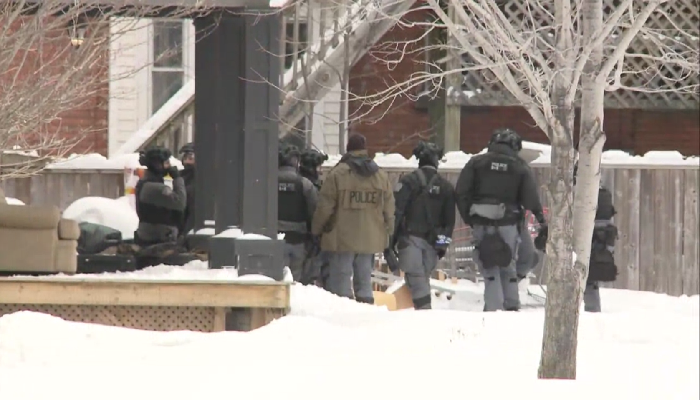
{"x":14,"y":202}
{"x":455,"y":160}
{"x":643,"y":346}
{"x":253,"y":236}
{"x":114,"y":213}
{"x":229,"y":233}
{"x":100,"y":162}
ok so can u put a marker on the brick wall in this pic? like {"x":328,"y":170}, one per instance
{"x":79,"y":116}
{"x":397,"y":127}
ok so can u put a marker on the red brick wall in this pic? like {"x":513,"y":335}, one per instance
{"x":81,"y":119}
{"x":397,"y":127}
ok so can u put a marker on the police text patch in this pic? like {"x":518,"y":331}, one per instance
{"x":502,"y":167}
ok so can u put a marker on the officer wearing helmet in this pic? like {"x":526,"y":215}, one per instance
{"x":187,"y":159}
{"x":315,"y":266}
{"x":159,"y":207}
{"x":602,"y":266}
{"x":309,"y":165}
{"x":425,"y":219}
{"x":297,"y":198}
{"x":492,"y":190}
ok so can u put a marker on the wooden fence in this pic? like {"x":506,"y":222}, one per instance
{"x":657,"y":215}
{"x":657,"y":221}
{"x":62,"y":187}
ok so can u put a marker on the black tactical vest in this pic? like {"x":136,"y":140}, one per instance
{"x":153,"y":214}
{"x":425,"y":208}
{"x":496,"y":180}
{"x":291,"y":202}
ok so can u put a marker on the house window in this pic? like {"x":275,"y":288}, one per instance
{"x":168,"y":70}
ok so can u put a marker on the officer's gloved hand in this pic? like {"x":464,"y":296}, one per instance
{"x":441,"y":245}
{"x":174,"y":172}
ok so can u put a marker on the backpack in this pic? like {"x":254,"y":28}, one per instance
{"x":96,"y":238}
{"x":602,"y":263}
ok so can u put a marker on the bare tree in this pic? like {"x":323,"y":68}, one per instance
{"x":552,"y":57}
{"x":54,"y":62}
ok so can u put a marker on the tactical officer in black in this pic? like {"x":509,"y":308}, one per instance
{"x":602,"y":266}
{"x":316,"y":265}
{"x":491,"y":192}
{"x":188,"y":162}
{"x":297,"y":198}
{"x":425,"y":219}
{"x":311,"y":161}
{"x":160,"y":208}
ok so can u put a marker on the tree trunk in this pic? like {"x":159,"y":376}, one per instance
{"x":559,"y":339}
{"x":591,"y":140}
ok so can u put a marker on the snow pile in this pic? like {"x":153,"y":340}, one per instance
{"x":640,"y":353}
{"x":116,"y":214}
{"x":14,"y":202}
{"x":97,"y":161}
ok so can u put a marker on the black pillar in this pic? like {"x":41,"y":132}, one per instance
{"x":236,"y":110}
{"x":205,"y":117}
{"x":236,"y":107}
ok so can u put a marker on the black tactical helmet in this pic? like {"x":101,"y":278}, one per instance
{"x":154,"y":157}
{"x":187,"y":148}
{"x":428,"y":152}
{"x":508,"y":137}
{"x":312,"y":158}
{"x":288,"y":155}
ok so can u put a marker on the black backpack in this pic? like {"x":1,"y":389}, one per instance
{"x":493,"y":250}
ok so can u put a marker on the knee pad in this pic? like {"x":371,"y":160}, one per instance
{"x":491,"y":278}
{"x":513,"y":280}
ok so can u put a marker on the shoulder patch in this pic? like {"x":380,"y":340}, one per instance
{"x":398,"y":186}
{"x":166,"y":191}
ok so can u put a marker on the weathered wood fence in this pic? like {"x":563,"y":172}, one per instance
{"x":657,"y":220}
{"x":657,"y":216}
{"x":62,"y":187}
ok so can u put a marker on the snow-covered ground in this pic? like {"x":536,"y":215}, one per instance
{"x":644,"y":346}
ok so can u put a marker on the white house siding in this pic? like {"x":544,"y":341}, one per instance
{"x":131,"y":51}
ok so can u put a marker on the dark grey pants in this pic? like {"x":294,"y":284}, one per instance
{"x":294,"y":255}
{"x":528,"y":256}
{"x":500,"y":284}
{"x":417,"y":259}
{"x":350,"y":275}
{"x":591,"y":297}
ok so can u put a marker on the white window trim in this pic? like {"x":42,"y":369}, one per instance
{"x":187,"y":58}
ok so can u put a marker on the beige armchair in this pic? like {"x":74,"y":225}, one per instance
{"x":36,"y":240}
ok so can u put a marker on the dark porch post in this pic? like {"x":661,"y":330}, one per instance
{"x":236,"y":84}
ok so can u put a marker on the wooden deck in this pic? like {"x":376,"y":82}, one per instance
{"x":157,"y":305}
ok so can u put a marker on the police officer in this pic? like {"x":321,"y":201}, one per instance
{"x":425,"y":219}
{"x":187,"y":159}
{"x":602,"y":263}
{"x":354,"y":218}
{"x":491,"y":191}
{"x":309,"y":165}
{"x":297,"y":198}
{"x":316,"y":267}
{"x":160,"y":208}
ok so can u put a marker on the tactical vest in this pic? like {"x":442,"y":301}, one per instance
{"x":291,"y":210}
{"x":152,"y":214}
{"x":424,"y":209}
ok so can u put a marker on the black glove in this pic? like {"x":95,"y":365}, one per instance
{"x":174,"y":172}
{"x":441,"y":253}
{"x":541,"y":239}
{"x":392,"y":259}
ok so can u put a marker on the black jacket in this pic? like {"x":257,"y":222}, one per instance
{"x":160,"y":208}
{"x":187,"y":225}
{"x":498,"y":177}
{"x":424,"y":215}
